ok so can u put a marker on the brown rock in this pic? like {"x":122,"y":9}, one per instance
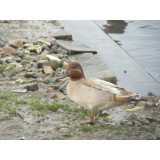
{"x":51,"y":90}
{"x":48,"y":70}
{"x":10,"y":50}
{"x":16,"y":43}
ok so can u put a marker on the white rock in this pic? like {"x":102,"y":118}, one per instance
{"x":53,"y":58}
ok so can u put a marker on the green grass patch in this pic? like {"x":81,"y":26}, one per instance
{"x":6,"y":96}
{"x":20,"y":101}
{"x":86,"y":128}
{"x":7,"y":108}
{"x":12,"y":67}
{"x":83,"y":114}
{"x":106,"y":119}
{"x":2,"y":68}
{"x":37,"y":106}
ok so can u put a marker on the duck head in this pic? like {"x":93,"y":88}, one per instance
{"x":74,"y":71}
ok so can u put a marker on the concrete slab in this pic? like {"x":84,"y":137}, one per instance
{"x":130,"y":75}
{"x":31,"y":30}
{"x":94,"y":66}
{"x":74,"y":47}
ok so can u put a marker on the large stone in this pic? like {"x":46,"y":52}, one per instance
{"x":48,"y":70}
{"x":31,"y":75}
{"x":94,"y":66}
{"x":10,"y":50}
{"x":150,"y":104}
{"x":8,"y":73}
{"x":53,"y":63}
{"x":31,"y":86}
{"x":16,"y":43}
{"x":49,"y":79}
{"x":153,"y":117}
{"x":75,"y":47}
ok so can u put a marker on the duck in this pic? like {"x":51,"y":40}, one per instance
{"x":93,"y":94}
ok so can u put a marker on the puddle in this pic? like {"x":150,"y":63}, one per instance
{"x":141,"y":39}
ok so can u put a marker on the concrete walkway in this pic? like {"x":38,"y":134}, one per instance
{"x":130,"y":75}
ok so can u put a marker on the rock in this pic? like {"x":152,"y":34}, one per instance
{"x":135,"y":109}
{"x":153,"y":117}
{"x":40,"y":120}
{"x":144,"y":121}
{"x":46,"y":42}
{"x":48,"y":70}
{"x":9,"y":60}
{"x":53,"y":64}
{"x":54,"y":48}
{"x":141,"y":104}
{"x":1,"y":75}
{"x":30,"y":58}
{"x":51,"y":90}
{"x":33,"y":65}
{"x":31,"y":75}
{"x":1,"y":62}
{"x":16,"y":43}
{"x":137,"y":123}
{"x":10,"y":50}
{"x":55,"y":86}
{"x":144,"y":98}
{"x":51,"y":95}
{"x":74,"y":47}
{"x":50,"y":80}
{"x":130,"y":106}
{"x":58,"y":72}
{"x":61,"y":51}
{"x":8,"y":73}
{"x":53,"y":58}
{"x":158,"y":129}
{"x":41,"y":62}
{"x":31,"y":86}
{"x":24,"y":62}
{"x":132,"y":117}
{"x":65,"y":64}
{"x":150,"y":104}
{"x":21,"y":81}
{"x":18,"y":59}
{"x":19,"y":90}
{"x":63,"y":86}
{"x":60,"y":110}
{"x":150,"y":94}
{"x":20,"y":54}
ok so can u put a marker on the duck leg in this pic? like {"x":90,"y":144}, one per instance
{"x":91,"y":116}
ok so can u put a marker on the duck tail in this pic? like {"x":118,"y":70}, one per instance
{"x":126,"y":98}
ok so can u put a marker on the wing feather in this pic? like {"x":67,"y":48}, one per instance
{"x":106,"y":86}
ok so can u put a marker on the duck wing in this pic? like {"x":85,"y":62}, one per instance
{"x":108,"y":87}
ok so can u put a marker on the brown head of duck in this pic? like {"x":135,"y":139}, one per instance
{"x":74,"y":71}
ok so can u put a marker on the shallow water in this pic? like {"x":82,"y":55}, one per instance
{"x":140,"y":39}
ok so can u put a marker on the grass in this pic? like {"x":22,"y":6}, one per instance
{"x":106,"y":119}
{"x":3,"y":67}
{"x":37,"y":106}
{"x":6,"y":96}
{"x":7,"y":108}
{"x":83,"y":114}
{"x":12,"y":67}
{"x":7,"y":104}
{"x":20,"y":101}
{"x":86,"y":128}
